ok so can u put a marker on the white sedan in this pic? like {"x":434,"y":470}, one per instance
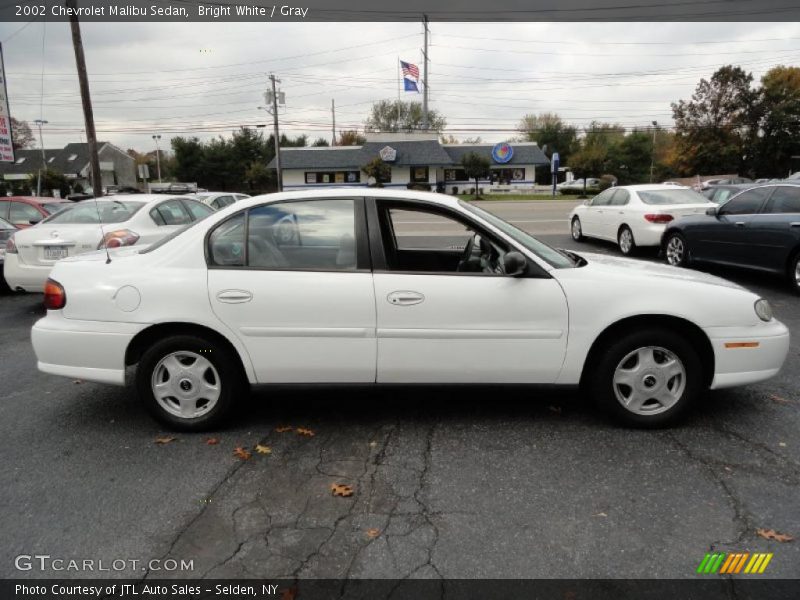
{"x":634,"y":215}
{"x":394,"y":287}
{"x":109,"y":222}
{"x":217,"y":200}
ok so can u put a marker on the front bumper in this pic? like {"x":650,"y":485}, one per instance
{"x":89,"y":350}
{"x":28,"y":278}
{"x":745,"y":355}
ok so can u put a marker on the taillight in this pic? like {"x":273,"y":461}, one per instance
{"x":658,"y":218}
{"x":11,"y":247}
{"x":117,"y":239}
{"x":55,"y":298}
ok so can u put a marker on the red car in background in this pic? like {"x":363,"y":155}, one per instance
{"x":24,"y":211}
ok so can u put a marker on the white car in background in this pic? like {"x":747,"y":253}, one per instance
{"x":217,"y":200}
{"x":124,"y":221}
{"x":634,"y":215}
{"x":352,"y":297}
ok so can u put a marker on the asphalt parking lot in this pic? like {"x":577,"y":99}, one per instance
{"x":447,"y":482}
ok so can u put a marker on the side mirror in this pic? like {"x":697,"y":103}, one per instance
{"x":34,"y":221}
{"x":712,"y":212}
{"x":514,"y":264}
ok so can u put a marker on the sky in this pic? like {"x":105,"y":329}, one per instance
{"x":208,"y":79}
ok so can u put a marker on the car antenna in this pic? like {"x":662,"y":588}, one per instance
{"x":102,"y":233}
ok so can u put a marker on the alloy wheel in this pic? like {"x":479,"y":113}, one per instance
{"x":576,"y":229}
{"x":625,"y":241}
{"x":675,"y":251}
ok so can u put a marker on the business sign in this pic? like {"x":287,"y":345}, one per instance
{"x":388,"y":154}
{"x":144,"y":171}
{"x":502,"y":152}
{"x":6,"y":144}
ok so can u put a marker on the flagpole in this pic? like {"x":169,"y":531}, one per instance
{"x":398,"y":84}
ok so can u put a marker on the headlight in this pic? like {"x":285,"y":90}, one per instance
{"x":763,"y":310}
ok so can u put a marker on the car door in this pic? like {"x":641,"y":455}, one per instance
{"x":292,"y":279}
{"x":594,"y":216}
{"x":775,"y":232}
{"x":724,"y":237}
{"x":437,"y":324}
{"x":616,"y":213}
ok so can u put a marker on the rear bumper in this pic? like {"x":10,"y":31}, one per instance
{"x":649,"y":234}
{"x":20,"y":276}
{"x":741,"y":365}
{"x":89,"y":350}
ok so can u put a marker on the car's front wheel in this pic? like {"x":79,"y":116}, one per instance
{"x":794,"y":273}
{"x":577,"y":231}
{"x":627,"y":244}
{"x":648,"y":378}
{"x":188,"y":382}
{"x":675,"y":250}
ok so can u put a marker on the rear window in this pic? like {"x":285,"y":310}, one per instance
{"x":86,"y":212}
{"x":678,"y":196}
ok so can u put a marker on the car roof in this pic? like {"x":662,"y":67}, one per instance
{"x":144,"y":198}
{"x":35,"y":199}
{"x":650,"y":187}
{"x":348,"y":192}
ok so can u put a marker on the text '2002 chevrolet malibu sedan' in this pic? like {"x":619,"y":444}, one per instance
{"x":377,"y":286}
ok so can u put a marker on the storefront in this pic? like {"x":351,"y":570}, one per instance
{"x":416,"y":161}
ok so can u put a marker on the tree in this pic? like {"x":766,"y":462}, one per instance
{"x":780,"y":125}
{"x":21,"y":134}
{"x":590,"y":161}
{"x":320,"y":142}
{"x":378,"y":170}
{"x":51,"y":180}
{"x":351,"y":137}
{"x":717,"y":128}
{"x":188,"y":160}
{"x":476,"y":166}
{"x":258,"y":177}
{"x":397,"y":115}
{"x":548,"y":129}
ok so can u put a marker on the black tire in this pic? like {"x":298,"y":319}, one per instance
{"x":228,"y":377}
{"x":625,"y":249}
{"x":653,"y":414}
{"x":793,"y":273}
{"x":676,"y":250}
{"x":576,"y":236}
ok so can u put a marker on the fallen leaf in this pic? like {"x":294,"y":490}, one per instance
{"x":339,"y":489}
{"x":728,"y":469}
{"x":284,"y":428}
{"x":289,"y":593}
{"x":212,"y":441}
{"x":305,"y":432}
{"x":263,"y":449}
{"x":373,"y":533}
{"x":771,"y":534}
{"x":164,"y":440}
{"x":779,"y":399}
{"x":600,"y":515}
{"x":78,"y":381}
{"x":241,"y":453}
{"x":555,"y":409}
{"x":782,"y":444}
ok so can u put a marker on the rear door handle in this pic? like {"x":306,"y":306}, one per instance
{"x":234,"y":296}
{"x":794,"y":224}
{"x":402,"y":298}
{"x":740,"y":223}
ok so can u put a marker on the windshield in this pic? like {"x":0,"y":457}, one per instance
{"x":6,"y":225}
{"x":678,"y":196}
{"x":86,"y":212}
{"x":53,"y":207}
{"x":552,"y":256}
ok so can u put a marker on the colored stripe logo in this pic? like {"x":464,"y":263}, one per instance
{"x":734,"y":563}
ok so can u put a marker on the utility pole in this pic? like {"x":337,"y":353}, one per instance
{"x":158,"y":157}
{"x":39,"y":123}
{"x":88,"y":115}
{"x":279,"y":178}
{"x":653,"y":153}
{"x":333,"y":121}
{"x":425,"y":77}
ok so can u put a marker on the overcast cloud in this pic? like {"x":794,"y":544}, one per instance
{"x":207,"y":79}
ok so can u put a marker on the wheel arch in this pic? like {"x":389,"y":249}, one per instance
{"x":145,"y":338}
{"x":693,"y":332}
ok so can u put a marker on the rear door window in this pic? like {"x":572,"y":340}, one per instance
{"x":170,"y":212}
{"x":746,"y":203}
{"x":785,"y":199}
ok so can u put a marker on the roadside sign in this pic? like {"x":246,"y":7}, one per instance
{"x":554,"y":164}
{"x":144,"y":172}
{"x":6,"y":143}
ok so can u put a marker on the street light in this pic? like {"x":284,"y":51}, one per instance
{"x":39,"y":123}
{"x":158,"y":157}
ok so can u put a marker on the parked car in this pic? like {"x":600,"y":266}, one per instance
{"x":329,"y":286}
{"x":217,"y":200}
{"x":24,"y":211}
{"x":725,"y":181}
{"x":719,"y":194}
{"x":123,"y":221}
{"x":758,"y":228}
{"x":634,"y":215}
{"x":6,"y":229}
{"x":576,"y":186}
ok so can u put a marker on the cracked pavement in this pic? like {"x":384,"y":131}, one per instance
{"x":486,"y":482}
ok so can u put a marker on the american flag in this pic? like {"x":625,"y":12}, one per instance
{"x":409,"y":70}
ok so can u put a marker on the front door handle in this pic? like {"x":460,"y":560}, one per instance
{"x":234,"y":296}
{"x":794,"y":224}
{"x":402,"y":298}
{"x":739,"y":223}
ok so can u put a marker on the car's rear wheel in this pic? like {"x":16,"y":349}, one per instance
{"x":627,"y":244}
{"x":188,"y":382}
{"x":577,"y":231}
{"x":676,"y":251}
{"x":648,"y":378}
{"x":794,"y":273}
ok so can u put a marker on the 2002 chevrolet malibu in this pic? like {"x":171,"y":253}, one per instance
{"x":377,"y":286}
